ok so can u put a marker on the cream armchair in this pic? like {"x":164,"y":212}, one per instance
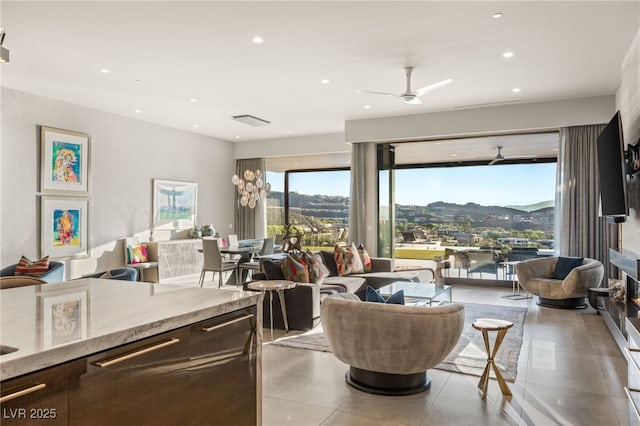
{"x":389,"y":348}
{"x":537,"y":277}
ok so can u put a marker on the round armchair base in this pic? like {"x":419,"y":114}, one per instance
{"x":387,"y":384}
{"x":571,"y":303}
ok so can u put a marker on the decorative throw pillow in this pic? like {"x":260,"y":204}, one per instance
{"x":272,"y":269}
{"x":347,"y":259}
{"x":313,"y":266}
{"x":365,"y":258}
{"x":396,"y":298}
{"x":138,"y":254}
{"x":33,"y":269}
{"x":323,"y":268}
{"x":294,"y":270}
{"x":565,"y":265}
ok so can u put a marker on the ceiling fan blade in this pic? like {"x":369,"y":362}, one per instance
{"x":377,"y":93}
{"x":433,"y":86}
{"x":495,"y":160}
{"x":521,"y":156}
{"x":414,"y":101}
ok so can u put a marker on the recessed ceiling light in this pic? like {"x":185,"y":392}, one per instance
{"x":288,"y":131}
{"x":497,"y":15}
{"x":137,"y":81}
{"x":367,"y":107}
{"x":237,"y":137}
{"x":324,"y":81}
{"x":507,"y":55}
{"x":258,"y":40}
{"x":516,"y":90}
{"x":193,"y":100}
{"x":555,"y":149}
{"x":454,"y":155}
{"x":138,"y":111}
{"x":105,"y":71}
{"x":196,"y":126}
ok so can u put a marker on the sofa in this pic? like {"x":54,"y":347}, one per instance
{"x":303,"y":302}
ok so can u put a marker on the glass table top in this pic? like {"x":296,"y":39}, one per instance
{"x":413,"y":289}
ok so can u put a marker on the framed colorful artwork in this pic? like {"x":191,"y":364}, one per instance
{"x":64,"y":227}
{"x":64,"y":318}
{"x":64,"y":162}
{"x":174,"y":204}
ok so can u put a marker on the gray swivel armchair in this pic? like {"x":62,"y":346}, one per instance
{"x":537,"y":277}
{"x":389,"y":348}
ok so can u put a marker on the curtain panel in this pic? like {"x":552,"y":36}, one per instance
{"x":250,"y":223}
{"x":357,"y":199}
{"x":580,"y":231}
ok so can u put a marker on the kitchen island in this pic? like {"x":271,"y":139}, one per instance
{"x":111,"y":352}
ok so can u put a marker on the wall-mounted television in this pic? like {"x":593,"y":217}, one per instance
{"x":612,"y":170}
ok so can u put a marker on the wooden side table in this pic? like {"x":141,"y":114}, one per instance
{"x":279,"y":286}
{"x":485,"y":325}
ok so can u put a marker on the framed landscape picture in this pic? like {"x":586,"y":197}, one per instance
{"x":64,"y":162}
{"x":174,"y":204}
{"x":64,"y":227}
{"x":64,"y":318}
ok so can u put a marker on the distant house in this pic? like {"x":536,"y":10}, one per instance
{"x":514,"y":242}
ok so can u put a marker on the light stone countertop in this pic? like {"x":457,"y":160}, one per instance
{"x":54,"y":323}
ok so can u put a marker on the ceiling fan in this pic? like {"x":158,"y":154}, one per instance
{"x":409,"y":96}
{"x":499,"y":157}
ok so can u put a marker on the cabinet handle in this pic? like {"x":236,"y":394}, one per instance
{"x":134,"y":354}
{"x":224,"y":324}
{"x":23,"y":392}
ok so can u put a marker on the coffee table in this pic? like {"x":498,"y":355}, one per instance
{"x":424,"y":291}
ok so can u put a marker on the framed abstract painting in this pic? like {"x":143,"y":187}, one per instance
{"x":64,"y":162}
{"x":174,"y":204}
{"x":64,"y":227}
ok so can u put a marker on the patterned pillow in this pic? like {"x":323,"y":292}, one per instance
{"x":294,"y":270}
{"x":33,"y":269}
{"x":313,"y":266}
{"x":347,"y":259}
{"x":138,"y":254}
{"x":365,"y":258}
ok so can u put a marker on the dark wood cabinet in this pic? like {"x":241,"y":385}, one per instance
{"x":223,"y":370}
{"x":39,"y":398}
{"x":203,"y":374}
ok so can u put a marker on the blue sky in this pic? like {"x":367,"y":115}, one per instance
{"x":516,"y":184}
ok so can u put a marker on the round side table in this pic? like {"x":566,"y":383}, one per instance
{"x":485,"y":325}
{"x":278,"y":286}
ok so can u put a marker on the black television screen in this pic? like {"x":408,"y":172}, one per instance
{"x":611,"y":167}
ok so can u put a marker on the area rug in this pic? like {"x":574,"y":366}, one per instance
{"x":469,"y":355}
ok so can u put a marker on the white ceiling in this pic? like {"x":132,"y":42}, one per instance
{"x":203,"y":50}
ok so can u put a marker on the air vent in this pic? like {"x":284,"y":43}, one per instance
{"x":251,"y":120}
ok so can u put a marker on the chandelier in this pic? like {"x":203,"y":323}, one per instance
{"x":252,"y":188}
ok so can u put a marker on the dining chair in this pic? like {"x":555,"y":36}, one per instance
{"x":232,"y":240}
{"x":213,"y":261}
{"x":254,"y":264}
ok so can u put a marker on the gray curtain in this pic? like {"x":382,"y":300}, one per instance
{"x":250,"y":223}
{"x":579,"y":229}
{"x":357,"y":199}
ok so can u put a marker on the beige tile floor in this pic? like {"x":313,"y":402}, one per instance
{"x":569,"y":373}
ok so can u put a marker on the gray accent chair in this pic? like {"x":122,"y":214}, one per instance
{"x":536,"y":276}
{"x":388,"y":347}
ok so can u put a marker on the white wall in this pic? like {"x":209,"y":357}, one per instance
{"x":488,"y":120}
{"x":628,"y":102}
{"x":126,"y":154}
